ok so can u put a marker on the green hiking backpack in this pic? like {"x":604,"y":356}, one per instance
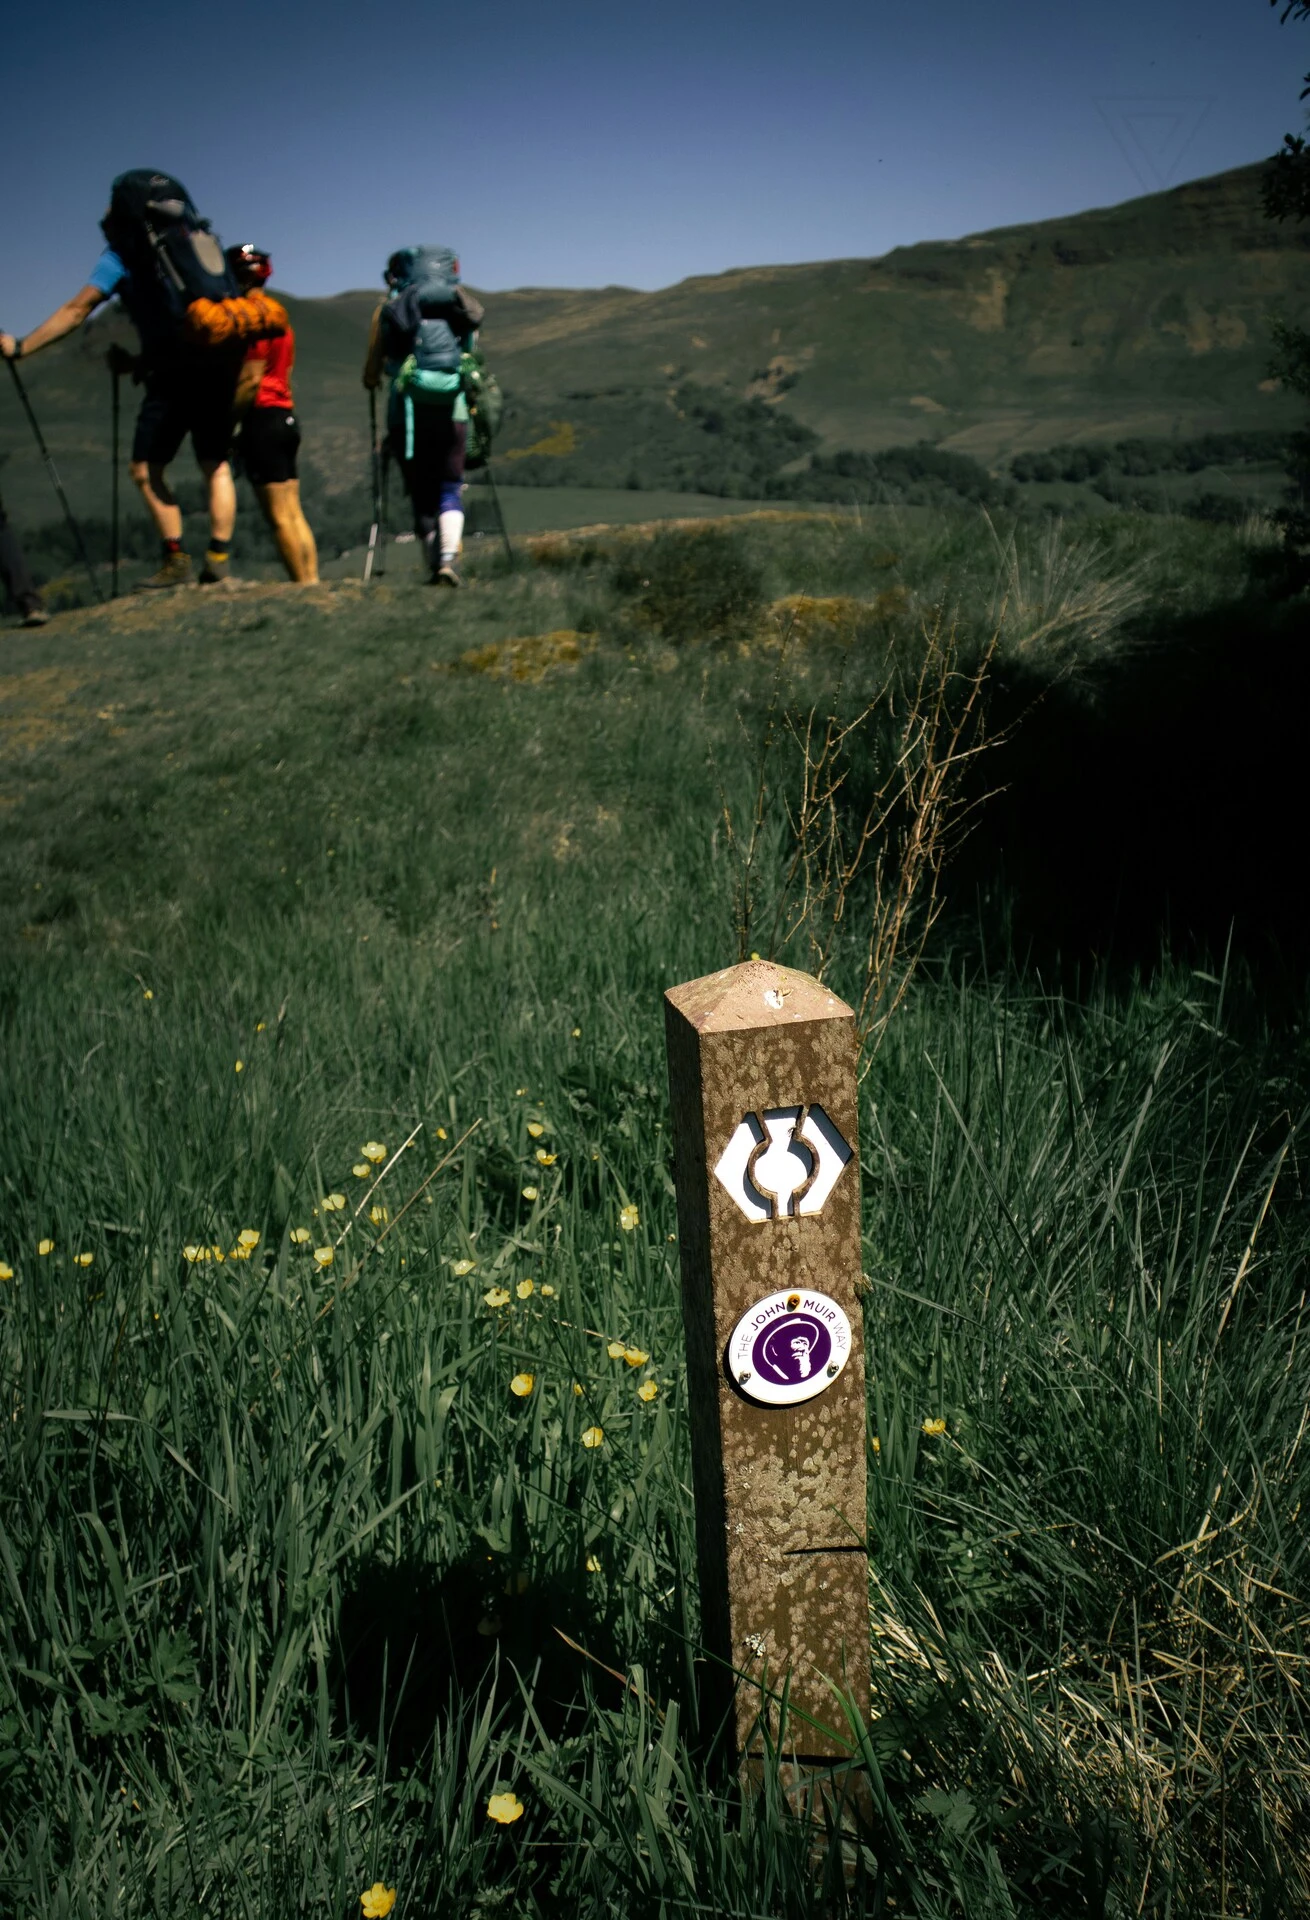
{"x":486,"y":406}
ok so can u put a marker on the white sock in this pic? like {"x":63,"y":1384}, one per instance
{"x":450,"y":530}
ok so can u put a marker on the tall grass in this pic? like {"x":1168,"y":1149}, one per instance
{"x":294,"y":1581}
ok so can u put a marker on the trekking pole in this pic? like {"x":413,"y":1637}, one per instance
{"x":381,"y":567}
{"x":113,"y":489}
{"x":500,"y":518}
{"x":53,"y":470}
{"x":377,"y":481}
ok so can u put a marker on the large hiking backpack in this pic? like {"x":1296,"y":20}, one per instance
{"x":426,"y":338}
{"x":177,"y":266}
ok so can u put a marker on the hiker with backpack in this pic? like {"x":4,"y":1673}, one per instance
{"x":269,"y":442}
{"x":418,"y":340}
{"x":168,"y":270}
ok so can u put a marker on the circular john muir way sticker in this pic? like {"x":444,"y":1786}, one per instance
{"x":789,"y":1347}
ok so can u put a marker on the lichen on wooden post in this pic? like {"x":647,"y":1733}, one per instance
{"x":762,"y":1075}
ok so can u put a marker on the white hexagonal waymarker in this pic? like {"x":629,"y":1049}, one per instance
{"x":783,"y":1162}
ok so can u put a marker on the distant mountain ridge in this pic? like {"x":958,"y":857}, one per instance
{"x":1147,"y":318}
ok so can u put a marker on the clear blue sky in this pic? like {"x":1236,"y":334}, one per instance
{"x":580,"y":144}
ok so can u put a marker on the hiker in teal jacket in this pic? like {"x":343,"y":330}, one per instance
{"x":418,"y":338}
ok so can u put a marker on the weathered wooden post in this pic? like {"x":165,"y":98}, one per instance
{"x":762,"y":1073}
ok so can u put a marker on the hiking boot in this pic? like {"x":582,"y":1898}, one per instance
{"x":35,"y":612}
{"x":446,"y":576}
{"x":174,"y":571}
{"x":215,"y":570}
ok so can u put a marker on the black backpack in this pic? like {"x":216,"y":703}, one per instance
{"x":173,"y":257}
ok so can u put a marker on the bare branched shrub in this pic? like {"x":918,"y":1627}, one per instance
{"x":872,"y":813}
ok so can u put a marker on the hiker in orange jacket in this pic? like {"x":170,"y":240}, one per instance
{"x":269,"y":442}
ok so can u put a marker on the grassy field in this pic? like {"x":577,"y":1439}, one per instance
{"x":344,"y":1470}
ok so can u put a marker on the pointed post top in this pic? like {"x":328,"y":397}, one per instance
{"x":756,"y":993}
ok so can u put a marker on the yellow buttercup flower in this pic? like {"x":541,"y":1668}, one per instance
{"x":378,"y":1901}
{"x":577,"y":1033}
{"x":240,"y":1253}
{"x":147,"y":995}
{"x":648,"y":1389}
{"x":593,"y":1437}
{"x":933,"y":1427}
{"x":322,"y":1256}
{"x":193,"y":1254}
{"x":83,"y":1259}
{"x":635,"y":1357}
{"x":374,"y":1150}
{"x":260,"y":1025}
{"x":616,"y":1349}
{"x":876,"y":1444}
{"x":545,"y":1159}
{"x":240,"y":1066}
{"x":299,"y":1236}
{"x":504,"y":1809}
{"x":460,"y":1267}
{"x":628,"y":1218}
{"x":529,"y":1193}
{"x":498,"y":1297}
{"x":577,"y":1389}
{"x":548,"y":1293}
{"x":6,"y":1271}
{"x":441,"y":1133}
{"x":593,"y":1564}
{"x":334,"y":1203}
{"x":522,"y":1384}
{"x":44,"y":1247}
{"x":536,"y":1129}
{"x":379,"y":1216}
{"x":247,"y":1237}
{"x":361,"y":1170}
{"x":525,"y":1289}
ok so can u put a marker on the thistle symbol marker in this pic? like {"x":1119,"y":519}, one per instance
{"x":782,"y":1162}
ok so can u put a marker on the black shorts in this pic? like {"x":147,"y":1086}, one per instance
{"x":192,"y":396}
{"x":270,"y":441}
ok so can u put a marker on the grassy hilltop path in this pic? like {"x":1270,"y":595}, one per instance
{"x":344,"y":1481}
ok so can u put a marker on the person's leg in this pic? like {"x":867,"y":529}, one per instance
{"x":211,"y":394}
{"x":280,"y":500}
{"x":423,"y":483}
{"x":222,"y":493}
{"x":270,"y":440}
{"x":160,"y":427}
{"x":14,"y":573}
{"x":450,"y":522}
{"x":161,"y":501}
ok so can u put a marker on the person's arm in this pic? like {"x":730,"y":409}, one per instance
{"x":373,"y":358}
{"x":62,"y":321}
{"x":473,"y":310}
{"x":252,"y":372}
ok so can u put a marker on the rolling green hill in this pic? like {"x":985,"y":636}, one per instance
{"x":1146,"y":319}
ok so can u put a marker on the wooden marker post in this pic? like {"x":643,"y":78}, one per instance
{"x":762,"y":1073}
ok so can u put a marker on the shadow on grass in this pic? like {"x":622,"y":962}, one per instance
{"x":1161,"y":796}
{"x":413,"y":1644}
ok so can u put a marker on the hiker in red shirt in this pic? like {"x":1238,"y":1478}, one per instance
{"x":270,"y":437}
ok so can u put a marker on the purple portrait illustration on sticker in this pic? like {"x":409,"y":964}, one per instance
{"x":788,"y":1346}
{"x":792,"y":1350}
